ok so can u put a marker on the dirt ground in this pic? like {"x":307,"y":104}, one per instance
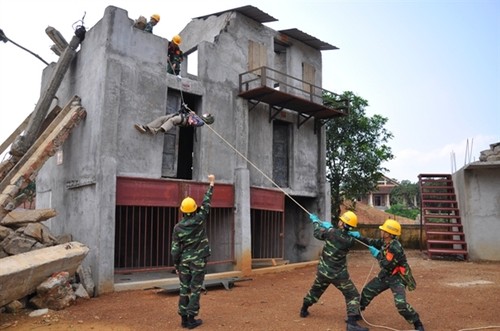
{"x":450,"y":295}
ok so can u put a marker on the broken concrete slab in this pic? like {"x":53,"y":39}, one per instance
{"x":23,"y":216}
{"x":21,"y":274}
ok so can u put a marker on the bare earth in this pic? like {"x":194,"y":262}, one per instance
{"x":449,"y":296}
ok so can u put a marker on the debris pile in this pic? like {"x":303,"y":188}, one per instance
{"x":39,"y":270}
{"x":492,"y":154}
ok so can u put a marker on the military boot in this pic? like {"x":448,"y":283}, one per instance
{"x":352,"y":325}
{"x":184,"y":321}
{"x":303,"y":310}
{"x":418,"y":326}
{"x":192,"y":322}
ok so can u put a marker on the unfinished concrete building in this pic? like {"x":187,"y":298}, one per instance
{"x":118,"y":191}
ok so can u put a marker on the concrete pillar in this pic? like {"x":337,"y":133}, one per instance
{"x":324,"y":201}
{"x":242,"y":226}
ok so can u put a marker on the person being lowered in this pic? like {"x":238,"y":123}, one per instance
{"x":185,"y":117}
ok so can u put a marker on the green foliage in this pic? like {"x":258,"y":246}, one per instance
{"x":404,"y":211}
{"x":406,"y":193}
{"x":356,"y":146}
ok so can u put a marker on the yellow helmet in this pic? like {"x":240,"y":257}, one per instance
{"x":391,"y":226}
{"x":177,"y":39}
{"x":349,"y":218}
{"x":188,"y":205}
{"x":155,"y":17}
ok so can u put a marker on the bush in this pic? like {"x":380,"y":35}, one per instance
{"x":402,"y":210}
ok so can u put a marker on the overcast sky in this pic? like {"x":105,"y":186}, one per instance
{"x":431,"y":67}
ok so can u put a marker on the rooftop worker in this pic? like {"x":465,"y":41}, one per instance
{"x":190,"y":250}
{"x":155,"y":18}
{"x":395,"y":273}
{"x":332,"y":267}
{"x":175,"y":55}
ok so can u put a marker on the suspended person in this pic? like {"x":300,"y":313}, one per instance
{"x":190,"y":250}
{"x":395,"y":273}
{"x":332,"y":267}
{"x":183,"y":118}
{"x":174,"y":56}
{"x":153,"y":20}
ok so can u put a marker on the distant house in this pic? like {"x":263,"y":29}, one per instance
{"x":381,"y":197}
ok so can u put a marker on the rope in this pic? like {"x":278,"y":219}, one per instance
{"x":482,"y":328}
{"x":304,"y":209}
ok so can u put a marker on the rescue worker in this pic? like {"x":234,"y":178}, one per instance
{"x":190,"y":250}
{"x":332,"y":267}
{"x":175,"y":55}
{"x":153,"y":20}
{"x":395,"y":273}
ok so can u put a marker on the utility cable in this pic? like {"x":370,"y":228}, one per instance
{"x":4,"y":38}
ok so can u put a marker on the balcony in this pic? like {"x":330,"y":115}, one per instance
{"x":281,"y":91}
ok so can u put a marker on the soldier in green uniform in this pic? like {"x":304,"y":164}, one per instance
{"x":174,"y":55}
{"x":332,"y":267}
{"x":190,"y":251}
{"x":395,"y":273}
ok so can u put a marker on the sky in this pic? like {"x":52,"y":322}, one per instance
{"x":431,"y":67}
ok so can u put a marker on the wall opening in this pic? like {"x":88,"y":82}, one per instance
{"x":281,"y":153}
{"x":177,"y":161}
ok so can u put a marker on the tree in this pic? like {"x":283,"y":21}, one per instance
{"x":356,"y":146}
{"x":406,"y":193}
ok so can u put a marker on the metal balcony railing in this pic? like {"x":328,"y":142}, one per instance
{"x":281,"y":91}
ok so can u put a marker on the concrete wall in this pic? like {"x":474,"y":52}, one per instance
{"x":477,"y":187}
{"x":120,"y":75}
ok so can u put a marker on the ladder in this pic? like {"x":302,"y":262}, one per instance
{"x":440,"y":217}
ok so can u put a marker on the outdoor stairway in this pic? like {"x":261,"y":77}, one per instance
{"x":441,"y":217}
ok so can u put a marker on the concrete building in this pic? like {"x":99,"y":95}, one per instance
{"x":118,"y":191}
{"x":477,"y":186}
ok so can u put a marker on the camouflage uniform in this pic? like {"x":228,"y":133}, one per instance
{"x":175,"y":57}
{"x":332,"y":268}
{"x":149,"y":27}
{"x":390,"y":258}
{"x":190,"y":251}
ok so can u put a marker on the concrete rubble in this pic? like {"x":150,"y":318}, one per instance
{"x":492,"y":154}
{"x":38,"y":268}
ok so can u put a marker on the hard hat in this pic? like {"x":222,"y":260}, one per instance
{"x":391,"y":226}
{"x":188,"y":205}
{"x":208,"y":118}
{"x":155,"y":17}
{"x":177,"y":39}
{"x":349,"y":218}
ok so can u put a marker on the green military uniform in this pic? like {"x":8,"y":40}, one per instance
{"x":190,"y":251}
{"x":332,"y":268}
{"x":391,"y":259}
{"x":175,"y":57}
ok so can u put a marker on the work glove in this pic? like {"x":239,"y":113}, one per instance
{"x":314,"y":218}
{"x":326,"y":225}
{"x":354,"y":234}
{"x":375,"y":252}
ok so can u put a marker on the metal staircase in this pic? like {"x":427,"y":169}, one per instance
{"x":441,"y":217}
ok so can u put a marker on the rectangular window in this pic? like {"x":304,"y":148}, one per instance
{"x":308,"y":76}
{"x":257,"y":55}
{"x":281,"y":153}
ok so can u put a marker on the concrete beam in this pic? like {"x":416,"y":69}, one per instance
{"x":21,"y":274}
